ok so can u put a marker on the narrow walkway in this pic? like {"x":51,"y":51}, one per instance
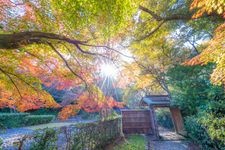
{"x":169,"y":145}
{"x":170,"y":141}
{"x":169,"y":135}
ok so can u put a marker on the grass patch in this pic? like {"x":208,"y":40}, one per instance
{"x":132,"y":142}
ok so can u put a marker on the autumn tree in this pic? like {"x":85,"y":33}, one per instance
{"x":59,"y":44}
{"x":214,"y":51}
{"x":55,"y":43}
{"x":153,"y":48}
{"x":168,"y":33}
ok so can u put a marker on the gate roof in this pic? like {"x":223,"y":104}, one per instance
{"x":157,"y":100}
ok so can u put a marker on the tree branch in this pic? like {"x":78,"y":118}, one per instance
{"x":37,"y":57}
{"x":21,"y":39}
{"x":34,"y":88}
{"x":66,"y":63}
{"x":17,"y":40}
{"x":14,"y":84}
{"x":89,"y":53}
{"x":167,"y":18}
{"x":152,"y":32}
{"x":153,"y":14}
{"x":72,"y":55}
{"x":107,"y":47}
{"x":173,"y":17}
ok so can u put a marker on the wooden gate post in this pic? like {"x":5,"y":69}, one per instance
{"x":155,"y":130}
{"x":177,"y":120}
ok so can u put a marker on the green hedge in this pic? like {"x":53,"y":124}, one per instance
{"x":84,"y":136}
{"x":13,"y":120}
{"x":201,"y":134}
{"x":38,"y":119}
{"x":1,"y":142}
{"x":96,"y":135}
{"x":45,"y":111}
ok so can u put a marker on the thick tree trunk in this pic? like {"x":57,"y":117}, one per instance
{"x":17,"y":40}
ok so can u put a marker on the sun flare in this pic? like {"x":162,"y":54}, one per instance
{"x":109,"y":70}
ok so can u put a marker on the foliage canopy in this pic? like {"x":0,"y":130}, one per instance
{"x":59,"y":44}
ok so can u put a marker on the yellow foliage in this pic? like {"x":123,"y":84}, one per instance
{"x":208,"y":6}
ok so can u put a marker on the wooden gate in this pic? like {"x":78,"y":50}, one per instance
{"x":136,"y":121}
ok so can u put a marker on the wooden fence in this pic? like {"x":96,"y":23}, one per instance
{"x":137,"y":121}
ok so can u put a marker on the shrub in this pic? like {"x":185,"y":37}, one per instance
{"x":96,"y":135}
{"x":37,"y":119}
{"x":113,"y":114}
{"x":201,"y":134}
{"x":1,"y":142}
{"x":215,"y":126}
{"x":12,"y":120}
{"x":45,"y":111}
{"x":45,"y":140}
{"x":191,"y":88}
{"x":2,"y":127}
{"x":202,"y":103}
{"x":86,"y":115}
{"x":88,"y":136}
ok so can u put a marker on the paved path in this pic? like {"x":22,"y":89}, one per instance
{"x":169,"y":145}
{"x":11,"y":133}
{"x":169,"y":140}
{"x":169,"y":135}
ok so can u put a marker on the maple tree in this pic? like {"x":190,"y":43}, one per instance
{"x":164,"y":30}
{"x":39,"y":46}
{"x":59,"y":43}
{"x":94,"y":102}
{"x":153,"y":48}
{"x":208,"y":6}
{"x":214,"y":52}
